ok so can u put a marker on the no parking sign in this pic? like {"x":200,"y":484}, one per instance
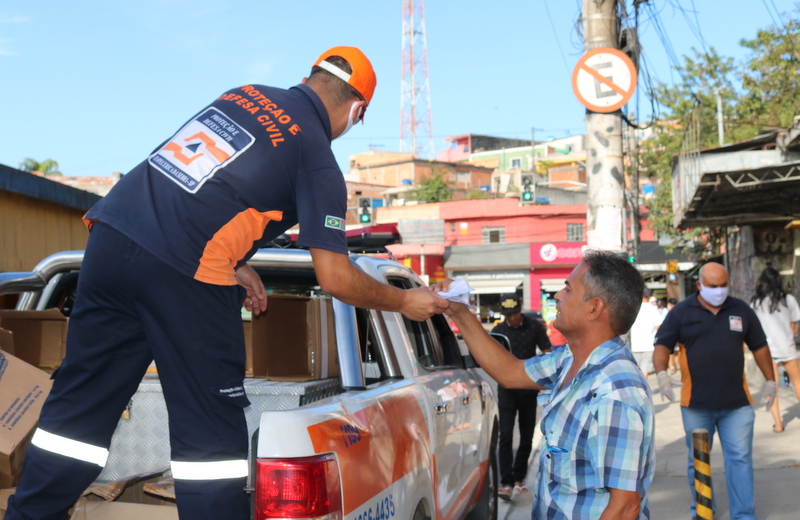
{"x":604,"y":79}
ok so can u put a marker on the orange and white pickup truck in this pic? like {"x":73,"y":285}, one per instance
{"x":408,"y":433}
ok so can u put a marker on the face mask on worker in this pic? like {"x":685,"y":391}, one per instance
{"x":714,"y":296}
{"x":353,"y":108}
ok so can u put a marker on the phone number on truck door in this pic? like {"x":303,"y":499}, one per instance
{"x":383,"y":510}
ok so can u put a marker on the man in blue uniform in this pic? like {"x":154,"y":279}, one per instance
{"x":165,"y":274}
{"x":709,"y":329}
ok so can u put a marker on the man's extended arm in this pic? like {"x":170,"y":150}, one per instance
{"x":503,"y":366}
{"x":622,"y":505}
{"x":338,"y":277}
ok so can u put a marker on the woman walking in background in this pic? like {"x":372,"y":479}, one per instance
{"x":779,"y":313}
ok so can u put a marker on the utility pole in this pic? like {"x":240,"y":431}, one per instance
{"x":604,"y":166}
{"x":720,"y":128}
{"x":633,"y":154}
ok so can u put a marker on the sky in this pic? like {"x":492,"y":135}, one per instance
{"x":97,"y":85}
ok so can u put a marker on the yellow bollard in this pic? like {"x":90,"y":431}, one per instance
{"x":702,"y":474}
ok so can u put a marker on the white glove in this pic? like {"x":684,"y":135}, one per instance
{"x":665,"y":384}
{"x":770,"y":392}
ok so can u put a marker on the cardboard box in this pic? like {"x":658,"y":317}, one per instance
{"x":40,"y":337}
{"x":23,"y":389}
{"x":294,"y":340}
{"x":7,"y":341}
{"x":88,"y":510}
{"x":4,"y":494}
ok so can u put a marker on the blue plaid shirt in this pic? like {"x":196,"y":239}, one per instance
{"x":597,"y":433}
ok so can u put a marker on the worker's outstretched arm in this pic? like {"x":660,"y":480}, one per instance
{"x":338,"y":277}
{"x":503,"y":366}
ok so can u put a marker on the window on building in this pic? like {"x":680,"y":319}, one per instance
{"x":574,"y":232}
{"x":516,"y":163}
{"x":452,"y":226}
{"x":462,"y":177}
{"x":494,"y":235}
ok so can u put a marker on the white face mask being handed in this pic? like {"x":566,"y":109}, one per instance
{"x":714,"y":296}
{"x":351,"y":116}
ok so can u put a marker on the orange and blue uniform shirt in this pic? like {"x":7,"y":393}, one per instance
{"x":246,"y":168}
{"x":711,"y":351}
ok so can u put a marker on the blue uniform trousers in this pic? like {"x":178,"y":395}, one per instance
{"x":132,"y":308}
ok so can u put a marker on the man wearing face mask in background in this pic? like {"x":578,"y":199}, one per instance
{"x":709,"y":328}
{"x":164,"y":277}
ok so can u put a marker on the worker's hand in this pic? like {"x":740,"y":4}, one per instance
{"x":665,"y":385}
{"x":453,"y":307}
{"x":256,"y":300}
{"x":420,"y":304}
{"x":770,"y":392}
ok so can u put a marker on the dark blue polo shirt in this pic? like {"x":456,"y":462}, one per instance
{"x":711,"y":351}
{"x":524,"y":340}
{"x":246,"y":168}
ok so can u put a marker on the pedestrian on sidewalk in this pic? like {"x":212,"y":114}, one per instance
{"x":525,"y":335}
{"x":779,"y":313}
{"x":709,"y":328}
{"x":597,"y":423}
{"x":643,"y":332}
{"x":556,"y":338}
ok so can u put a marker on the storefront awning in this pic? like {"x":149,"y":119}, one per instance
{"x":494,"y":286}
{"x":552,"y":284}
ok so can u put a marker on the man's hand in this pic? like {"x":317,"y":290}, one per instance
{"x":421,"y":304}
{"x":770,"y":392}
{"x":256,"y":300}
{"x":453,"y":308}
{"x":665,"y":384}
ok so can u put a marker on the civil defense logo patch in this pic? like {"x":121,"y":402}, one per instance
{"x":334,"y":222}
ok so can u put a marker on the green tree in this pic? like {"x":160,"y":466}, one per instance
{"x":770,"y":76}
{"x":48,"y":167}
{"x":434,"y":188}
{"x":476,"y":194}
{"x":766,"y":97}
{"x":689,"y":106}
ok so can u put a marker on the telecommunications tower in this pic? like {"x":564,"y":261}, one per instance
{"x":416,"y":127}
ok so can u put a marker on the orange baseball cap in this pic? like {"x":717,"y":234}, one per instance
{"x":363,"y":76}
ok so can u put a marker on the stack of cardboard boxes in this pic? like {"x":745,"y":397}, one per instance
{"x":294,"y":340}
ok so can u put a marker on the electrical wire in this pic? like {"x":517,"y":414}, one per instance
{"x":776,"y":22}
{"x":669,"y":49}
{"x":693,"y":26}
{"x":558,"y":41}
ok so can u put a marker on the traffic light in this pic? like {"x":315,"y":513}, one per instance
{"x":526,"y":195}
{"x":631,"y":255}
{"x":365,"y":210}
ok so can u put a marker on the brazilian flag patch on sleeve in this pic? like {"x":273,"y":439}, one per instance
{"x":334,"y":222}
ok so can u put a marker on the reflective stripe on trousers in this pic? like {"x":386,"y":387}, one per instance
{"x":218,"y":470}
{"x":69,"y":447}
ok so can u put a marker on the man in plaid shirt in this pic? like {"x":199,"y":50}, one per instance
{"x":597,"y":455}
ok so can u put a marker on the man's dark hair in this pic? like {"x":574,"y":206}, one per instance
{"x":618,"y":283}
{"x":340,"y":91}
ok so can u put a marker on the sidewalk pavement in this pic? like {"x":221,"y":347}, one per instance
{"x":776,"y":461}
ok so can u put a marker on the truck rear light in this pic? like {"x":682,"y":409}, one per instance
{"x":298,"y":488}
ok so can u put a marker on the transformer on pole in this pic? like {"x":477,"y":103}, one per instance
{"x":416,"y":127}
